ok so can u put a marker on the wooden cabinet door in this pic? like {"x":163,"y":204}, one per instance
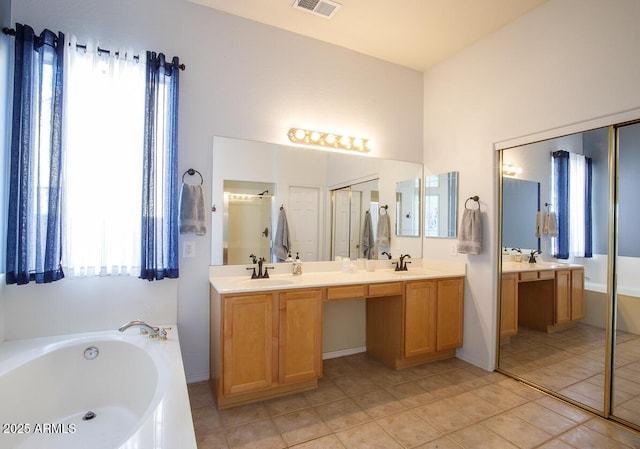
{"x":248,"y":338}
{"x":577,"y":294}
{"x":300,"y":336}
{"x":420,"y":309}
{"x":509,"y":306}
{"x":563,"y":296}
{"x":450,"y":313}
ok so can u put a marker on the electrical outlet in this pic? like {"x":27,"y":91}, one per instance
{"x":454,"y":249}
{"x":188,"y":249}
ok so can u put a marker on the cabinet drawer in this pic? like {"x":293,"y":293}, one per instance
{"x":528,"y":275}
{"x":386,"y":289}
{"x":547,"y":274}
{"x":346,"y":292}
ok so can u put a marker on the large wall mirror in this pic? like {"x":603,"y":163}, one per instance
{"x":327,"y":199}
{"x":570,"y":322}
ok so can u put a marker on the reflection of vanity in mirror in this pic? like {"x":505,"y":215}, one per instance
{"x":325,"y":197}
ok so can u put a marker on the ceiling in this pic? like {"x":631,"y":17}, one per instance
{"x":413,"y":33}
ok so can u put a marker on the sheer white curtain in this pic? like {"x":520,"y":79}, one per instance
{"x":577,"y":182}
{"x":104,"y":117}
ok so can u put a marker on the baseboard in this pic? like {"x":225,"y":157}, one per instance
{"x":343,"y":352}
{"x":193,"y":378}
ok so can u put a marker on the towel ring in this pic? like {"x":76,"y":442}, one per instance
{"x":475,"y":198}
{"x":192,"y":172}
{"x":385,"y":207}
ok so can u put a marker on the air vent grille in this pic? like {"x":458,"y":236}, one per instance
{"x":322,"y":8}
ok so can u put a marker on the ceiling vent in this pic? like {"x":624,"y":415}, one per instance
{"x":322,"y":8}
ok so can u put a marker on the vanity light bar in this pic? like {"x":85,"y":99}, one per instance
{"x":329,"y":140}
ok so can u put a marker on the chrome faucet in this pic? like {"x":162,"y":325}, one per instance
{"x":144,"y":328}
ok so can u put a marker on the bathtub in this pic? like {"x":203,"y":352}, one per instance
{"x":98,"y":390}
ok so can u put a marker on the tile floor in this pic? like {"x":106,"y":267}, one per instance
{"x":360,"y":403}
{"x":572,"y":363}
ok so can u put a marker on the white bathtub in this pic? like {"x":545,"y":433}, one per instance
{"x":135,"y":387}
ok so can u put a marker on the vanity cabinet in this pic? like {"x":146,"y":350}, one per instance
{"x":424,"y":324}
{"x":265,"y":344}
{"x":509,"y":306}
{"x":300,"y":336}
{"x":542,"y":300}
{"x":268,"y":343}
{"x":569,"y":295}
{"x":248,"y":343}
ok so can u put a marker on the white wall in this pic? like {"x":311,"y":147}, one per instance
{"x":243,"y":80}
{"x":566,"y":62}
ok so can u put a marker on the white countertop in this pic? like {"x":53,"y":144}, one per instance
{"x":516,"y":267}
{"x":326,"y":274}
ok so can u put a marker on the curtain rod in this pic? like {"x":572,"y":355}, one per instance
{"x":12,"y":32}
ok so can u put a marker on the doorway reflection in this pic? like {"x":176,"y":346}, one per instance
{"x":553,"y":326}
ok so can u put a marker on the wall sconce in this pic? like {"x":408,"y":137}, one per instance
{"x":510,"y":170}
{"x":329,"y":140}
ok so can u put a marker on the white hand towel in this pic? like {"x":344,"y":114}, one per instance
{"x":192,"y":216}
{"x":282,"y":242}
{"x":470,"y":237}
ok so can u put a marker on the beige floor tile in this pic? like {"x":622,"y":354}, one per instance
{"x":367,"y":436}
{"x":326,"y":442}
{"x":259,"y":434}
{"x":474,"y":407}
{"x":206,"y":419}
{"x":567,"y":410}
{"x":441,"y":443}
{"x":521,"y":389}
{"x":411,"y":394}
{"x":409,"y":429}
{"x":378,"y":403}
{"x":584,"y":438}
{"x":354,"y":384}
{"x":327,"y":391}
{"x":479,"y":437}
{"x":212,"y":440}
{"x":200,"y":394}
{"x":300,"y":426}
{"x":517,"y":431}
{"x":443,"y":415}
{"x":543,"y":418}
{"x":499,"y":396}
{"x":614,"y":431}
{"x":556,"y":444}
{"x":342,"y":414}
{"x":243,"y":414}
{"x":286,"y":404}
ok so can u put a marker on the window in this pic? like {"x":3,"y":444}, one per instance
{"x":102,"y":180}
{"x":571,"y":189}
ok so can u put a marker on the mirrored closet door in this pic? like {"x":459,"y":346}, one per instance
{"x":569,"y":290}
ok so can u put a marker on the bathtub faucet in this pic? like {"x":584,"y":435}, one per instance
{"x":144,"y":328}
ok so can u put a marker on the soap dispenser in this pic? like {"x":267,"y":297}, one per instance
{"x":297,"y":266}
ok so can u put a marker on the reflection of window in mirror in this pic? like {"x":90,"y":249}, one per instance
{"x":441,"y":205}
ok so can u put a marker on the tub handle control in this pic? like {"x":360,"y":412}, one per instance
{"x":162,"y":333}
